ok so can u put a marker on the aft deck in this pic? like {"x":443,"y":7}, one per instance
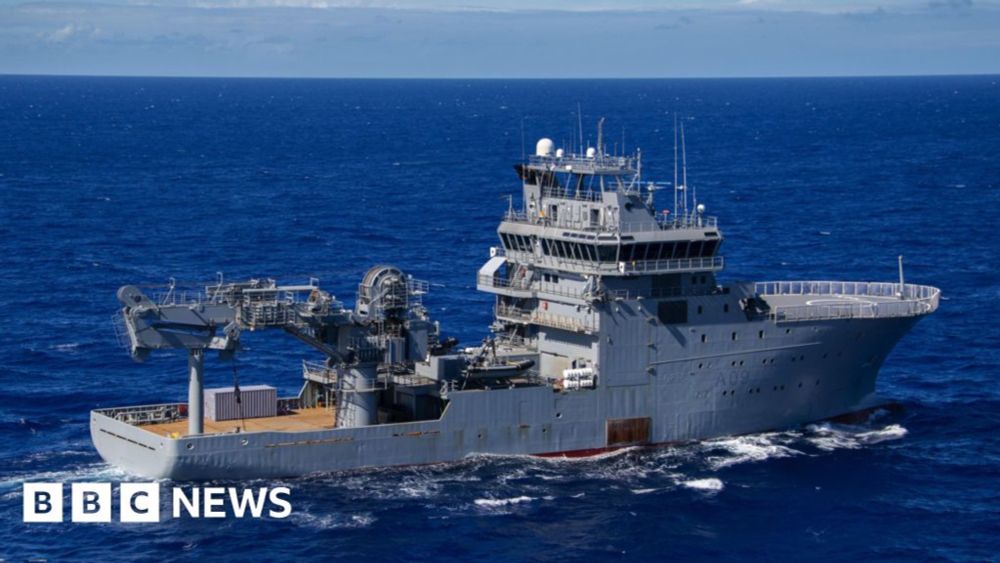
{"x":793,"y":301}
{"x":299,"y":420}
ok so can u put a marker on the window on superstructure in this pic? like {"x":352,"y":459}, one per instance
{"x":681,"y":250}
{"x":672,"y":312}
{"x":626,"y":253}
{"x":607,"y":253}
{"x":694,"y":251}
{"x":709,"y":247}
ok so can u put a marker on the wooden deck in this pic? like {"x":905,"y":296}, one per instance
{"x":318,"y":418}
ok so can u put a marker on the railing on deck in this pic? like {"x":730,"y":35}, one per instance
{"x":710,"y":263}
{"x":895,"y":300}
{"x":661,"y":223}
{"x":584,"y":323}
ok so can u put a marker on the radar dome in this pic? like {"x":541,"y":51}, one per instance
{"x":544,"y":147}
{"x":560,"y":153}
{"x":591,"y":152}
{"x":700,"y":208}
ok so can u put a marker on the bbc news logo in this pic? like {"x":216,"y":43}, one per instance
{"x":140,"y":502}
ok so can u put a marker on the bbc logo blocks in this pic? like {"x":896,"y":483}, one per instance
{"x":91,"y":502}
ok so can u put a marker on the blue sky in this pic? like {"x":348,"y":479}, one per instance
{"x":492,"y":38}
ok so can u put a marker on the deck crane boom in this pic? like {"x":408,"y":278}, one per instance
{"x":387,"y":316}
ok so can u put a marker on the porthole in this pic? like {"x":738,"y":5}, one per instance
{"x":725,"y":308}
{"x":558,"y":415}
{"x":544,"y":430}
{"x":741,"y":362}
{"x":734,"y":336}
{"x":245,"y":442}
{"x":480,"y":435}
{"x":700,"y":366}
{"x":190,"y":446}
{"x":788,"y":331}
{"x":800,"y":385}
{"x":700,"y":309}
{"x":760,"y":334}
{"x":704,"y":338}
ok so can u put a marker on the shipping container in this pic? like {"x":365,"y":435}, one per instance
{"x":256,"y":401}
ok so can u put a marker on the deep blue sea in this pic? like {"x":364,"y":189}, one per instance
{"x":109,"y":181}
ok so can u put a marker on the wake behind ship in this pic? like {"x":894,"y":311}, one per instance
{"x":610,"y":331}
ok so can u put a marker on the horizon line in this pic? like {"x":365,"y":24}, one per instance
{"x":488,"y":78}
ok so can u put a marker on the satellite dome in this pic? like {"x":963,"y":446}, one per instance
{"x":591,"y":152}
{"x":544,"y":147}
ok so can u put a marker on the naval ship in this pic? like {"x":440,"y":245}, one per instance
{"x":611,"y":331}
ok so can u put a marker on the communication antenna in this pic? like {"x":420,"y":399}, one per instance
{"x":600,"y":137}
{"x":902,"y":283}
{"x":684,"y":168}
{"x":579,"y":127}
{"x":676,"y":187}
{"x":524,"y":155}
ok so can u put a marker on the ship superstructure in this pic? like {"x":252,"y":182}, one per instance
{"x":610,"y":331}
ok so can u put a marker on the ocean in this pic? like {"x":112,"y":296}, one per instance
{"x":112,"y":181}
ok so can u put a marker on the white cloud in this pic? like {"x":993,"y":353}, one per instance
{"x":62,"y":34}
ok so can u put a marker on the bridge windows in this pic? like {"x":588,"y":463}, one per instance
{"x":611,"y":253}
{"x":519,"y":243}
{"x":667,"y":250}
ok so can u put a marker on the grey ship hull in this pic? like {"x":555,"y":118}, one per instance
{"x":819,"y":370}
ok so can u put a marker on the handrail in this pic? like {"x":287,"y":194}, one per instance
{"x":588,"y":323}
{"x":909,"y":300}
{"x":659,"y":223}
{"x":710,"y":263}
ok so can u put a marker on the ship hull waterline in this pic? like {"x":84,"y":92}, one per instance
{"x":678,"y":406}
